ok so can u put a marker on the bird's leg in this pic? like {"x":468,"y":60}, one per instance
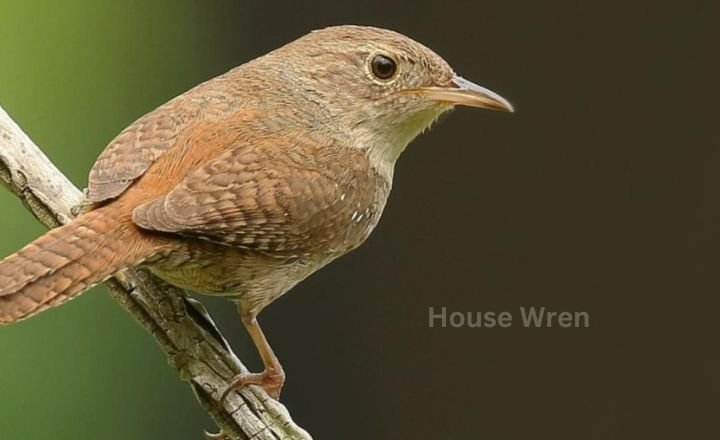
{"x":273,"y":377}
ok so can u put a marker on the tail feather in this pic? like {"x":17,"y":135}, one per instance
{"x":65,"y":262}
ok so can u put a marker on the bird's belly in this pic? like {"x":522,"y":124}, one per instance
{"x":249,"y":278}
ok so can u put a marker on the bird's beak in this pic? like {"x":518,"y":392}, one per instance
{"x":460,"y":91}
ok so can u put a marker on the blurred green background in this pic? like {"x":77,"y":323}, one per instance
{"x":598,"y":195}
{"x":73,"y":74}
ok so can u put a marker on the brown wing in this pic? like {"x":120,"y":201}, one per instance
{"x":285,"y":197}
{"x":137,"y":147}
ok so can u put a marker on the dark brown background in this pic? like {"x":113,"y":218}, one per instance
{"x":598,"y":195}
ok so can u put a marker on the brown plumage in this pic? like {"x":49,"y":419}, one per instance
{"x":250,"y":182}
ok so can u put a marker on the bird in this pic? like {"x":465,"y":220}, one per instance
{"x":248,"y":183}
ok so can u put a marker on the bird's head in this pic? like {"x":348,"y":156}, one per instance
{"x":380,"y":87}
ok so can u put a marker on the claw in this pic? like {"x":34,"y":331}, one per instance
{"x":271,"y":380}
{"x":219,"y":436}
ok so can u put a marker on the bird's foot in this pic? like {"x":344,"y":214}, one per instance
{"x":271,"y":380}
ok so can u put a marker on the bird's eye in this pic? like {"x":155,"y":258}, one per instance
{"x":383,"y":67}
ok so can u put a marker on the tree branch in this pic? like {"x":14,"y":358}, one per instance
{"x":180,"y":325}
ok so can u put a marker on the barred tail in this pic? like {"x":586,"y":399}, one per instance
{"x":66,"y":262}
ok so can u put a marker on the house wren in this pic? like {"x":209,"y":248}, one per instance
{"x":248,"y":183}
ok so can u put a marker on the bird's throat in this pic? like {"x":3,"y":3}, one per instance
{"x":384,"y":146}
